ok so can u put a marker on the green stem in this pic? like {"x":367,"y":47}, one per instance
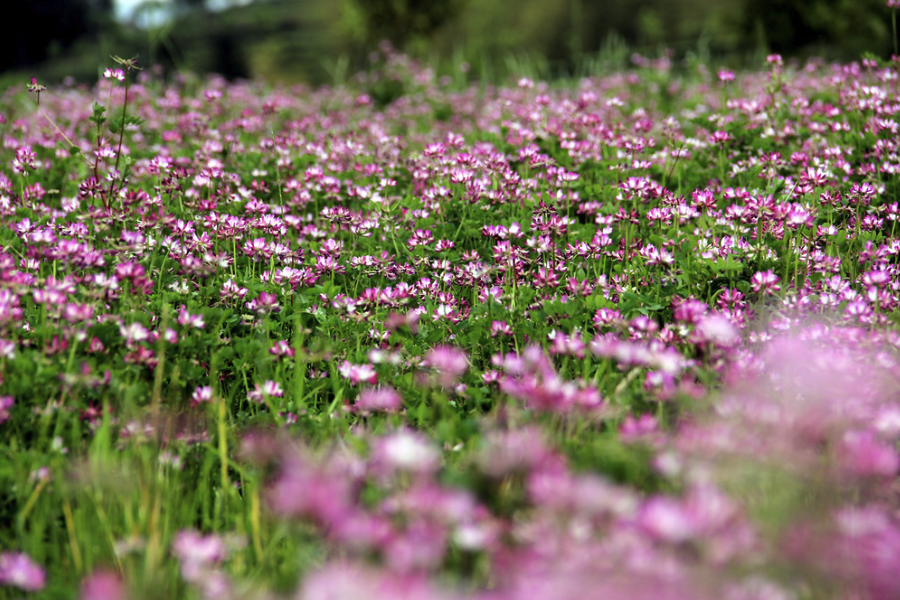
{"x":112,"y":185}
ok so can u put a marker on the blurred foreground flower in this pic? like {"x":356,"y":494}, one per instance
{"x":18,"y":570}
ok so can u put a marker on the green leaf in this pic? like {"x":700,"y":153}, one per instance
{"x":97,"y":116}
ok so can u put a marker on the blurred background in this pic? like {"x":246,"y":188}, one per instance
{"x":324,"y":41}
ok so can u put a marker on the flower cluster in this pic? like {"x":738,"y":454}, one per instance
{"x":631,"y":338}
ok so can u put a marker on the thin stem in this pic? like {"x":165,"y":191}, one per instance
{"x":112,"y":185}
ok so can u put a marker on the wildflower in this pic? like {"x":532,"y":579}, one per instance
{"x":358,"y":373}
{"x":134,"y":332}
{"x":448,"y":362}
{"x":264,"y":304}
{"x":7,"y":349}
{"x":6,"y":403}
{"x":765,"y":282}
{"x":716,"y":330}
{"x":102,"y":585}
{"x":197,"y":553}
{"x":269,"y":389}
{"x":187,"y":319}
{"x":516,"y":451}
{"x":500,"y":328}
{"x":202,"y":395}
{"x":18,"y":570}
{"x":420,"y":238}
{"x":232,"y":291}
{"x":719,"y":137}
{"x":282,"y":348}
{"x":36,"y":88}
{"x":344,"y":581}
{"x":407,"y":451}
{"x":379,"y":399}
{"x":862,"y":455}
{"x":632,"y":430}
{"x":117,"y":74}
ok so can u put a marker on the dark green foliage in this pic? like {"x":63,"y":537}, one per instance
{"x":401,"y":20}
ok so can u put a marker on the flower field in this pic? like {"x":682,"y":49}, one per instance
{"x":633,"y":336}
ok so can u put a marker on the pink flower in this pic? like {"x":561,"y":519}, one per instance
{"x":37,"y":88}
{"x":197,"y":553}
{"x":187,"y":319}
{"x":102,"y":585}
{"x":765,"y":282}
{"x":448,"y":362}
{"x":379,"y":399}
{"x":264,"y":304}
{"x":862,"y":455}
{"x":114,"y":74}
{"x":310,"y":488}
{"x":135,"y":332}
{"x":201,"y":395}
{"x":269,"y":388}
{"x":515,"y":451}
{"x":358,"y":373}
{"x":341,"y":581}
{"x":18,"y":570}
{"x":668,"y":520}
{"x":633,"y":430}
{"x":407,"y":451}
{"x":6,"y":403}
{"x":716,"y":330}
{"x":282,"y":348}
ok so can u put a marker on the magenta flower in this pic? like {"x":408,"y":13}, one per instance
{"x":339,"y":581}
{"x":202,"y":395}
{"x":35,"y":87}
{"x":765,"y":282}
{"x":379,"y":399}
{"x":282,"y":348}
{"x":264,"y":304}
{"x":642,"y":428}
{"x":135,"y":332}
{"x":716,"y":330}
{"x":358,"y":373}
{"x":102,"y":585}
{"x":6,"y":403}
{"x":18,"y":570}
{"x":268,"y":389}
{"x":196,"y":550}
{"x":448,"y":363}
{"x":187,"y":319}
{"x":309,"y":488}
{"x":117,"y":74}
{"x":406,"y":451}
{"x":862,"y":455}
